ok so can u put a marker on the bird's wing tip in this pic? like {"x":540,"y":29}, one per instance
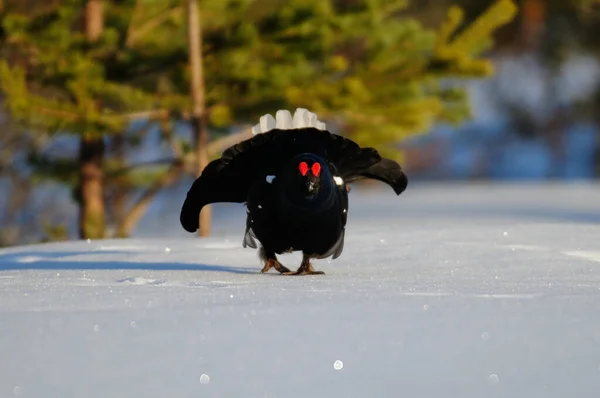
{"x":189,"y":227}
{"x":401,"y":186}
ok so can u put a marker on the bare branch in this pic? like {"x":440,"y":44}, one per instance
{"x":134,"y":17}
{"x":150,"y":24}
{"x":153,"y":114}
{"x":58,"y":113}
{"x":127,"y":169}
{"x":139,"y":208}
{"x":218,"y":146}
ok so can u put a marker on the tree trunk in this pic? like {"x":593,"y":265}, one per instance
{"x":94,"y":19}
{"x":91,"y":152}
{"x":533,"y":19}
{"x":198,"y":103}
{"x":120,"y":192}
{"x":91,"y":190}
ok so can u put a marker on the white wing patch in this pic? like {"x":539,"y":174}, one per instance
{"x":283,"y":120}
{"x":270,"y":179}
{"x":338,"y":181}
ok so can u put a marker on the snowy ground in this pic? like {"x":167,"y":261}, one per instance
{"x":447,"y":291}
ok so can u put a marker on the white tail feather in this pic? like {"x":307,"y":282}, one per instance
{"x":299,"y":118}
{"x":283,"y":120}
{"x":267,"y":122}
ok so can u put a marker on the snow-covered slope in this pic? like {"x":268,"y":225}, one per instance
{"x":447,"y":291}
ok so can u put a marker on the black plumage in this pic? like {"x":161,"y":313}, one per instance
{"x":292,"y":204}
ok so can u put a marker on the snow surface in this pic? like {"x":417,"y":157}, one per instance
{"x":449,"y":290}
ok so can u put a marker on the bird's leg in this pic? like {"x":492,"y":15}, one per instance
{"x":274,"y":263}
{"x":305,"y":268}
{"x":271,"y":261}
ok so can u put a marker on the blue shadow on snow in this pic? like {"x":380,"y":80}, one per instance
{"x":52,"y":261}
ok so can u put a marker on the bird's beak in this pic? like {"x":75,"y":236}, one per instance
{"x":311,"y":186}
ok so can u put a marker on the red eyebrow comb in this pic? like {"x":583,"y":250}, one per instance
{"x":316,"y":169}
{"x":303,"y":167}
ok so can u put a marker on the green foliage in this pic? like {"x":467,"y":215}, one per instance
{"x":58,"y":81}
{"x":571,"y":26}
{"x":54,"y":232}
{"x":134,"y":177}
{"x":586,"y":5}
{"x":64,"y":170}
{"x":384,"y":76}
{"x":363,"y":65}
{"x":380,"y":73}
{"x":94,"y":226}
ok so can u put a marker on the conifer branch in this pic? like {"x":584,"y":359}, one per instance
{"x":57,"y":113}
{"x":132,"y":167}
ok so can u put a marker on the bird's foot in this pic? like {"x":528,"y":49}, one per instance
{"x":272,"y":263}
{"x":305,"y":269}
{"x":303,"y":272}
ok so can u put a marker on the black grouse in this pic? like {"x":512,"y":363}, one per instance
{"x":292,"y":175}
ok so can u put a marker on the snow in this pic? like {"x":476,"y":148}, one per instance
{"x":450,"y":290}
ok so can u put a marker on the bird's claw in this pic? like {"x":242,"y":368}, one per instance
{"x":274,"y":264}
{"x":305,"y":269}
{"x":304,"y":272}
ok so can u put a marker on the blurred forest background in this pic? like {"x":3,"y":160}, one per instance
{"x":109,"y":109}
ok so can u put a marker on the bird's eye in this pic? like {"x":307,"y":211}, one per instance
{"x":316,"y":169}
{"x":303,"y":167}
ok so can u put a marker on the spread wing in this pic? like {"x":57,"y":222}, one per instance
{"x":355,"y":163}
{"x":384,"y":170}
{"x":228,"y":178}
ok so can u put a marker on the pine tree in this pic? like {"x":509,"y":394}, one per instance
{"x":66,"y":71}
{"x":378,"y":75}
{"x":371,"y":71}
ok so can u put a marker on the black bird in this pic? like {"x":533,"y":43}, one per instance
{"x":293,"y":177}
